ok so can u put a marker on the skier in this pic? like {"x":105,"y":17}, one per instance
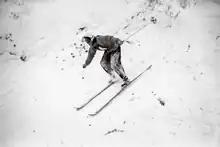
{"x":111,"y":60}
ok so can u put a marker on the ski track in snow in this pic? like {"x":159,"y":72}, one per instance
{"x":176,"y":103}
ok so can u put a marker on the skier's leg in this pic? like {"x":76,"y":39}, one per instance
{"x":106,"y":65}
{"x":117,"y":65}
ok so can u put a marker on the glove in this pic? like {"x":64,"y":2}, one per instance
{"x":84,"y":65}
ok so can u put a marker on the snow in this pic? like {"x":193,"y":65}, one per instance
{"x":38,"y":95}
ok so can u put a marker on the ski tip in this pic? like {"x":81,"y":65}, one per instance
{"x":91,"y":115}
{"x":77,"y":108}
{"x":148,"y":68}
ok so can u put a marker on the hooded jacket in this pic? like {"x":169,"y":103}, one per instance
{"x":105,"y":43}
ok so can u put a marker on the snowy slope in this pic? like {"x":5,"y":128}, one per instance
{"x":176,"y":103}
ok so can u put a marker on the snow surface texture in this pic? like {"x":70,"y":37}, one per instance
{"x":175,"y":104}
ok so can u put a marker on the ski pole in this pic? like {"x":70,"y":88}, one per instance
{"x":136,"y":32}
{"x":153,"y":20}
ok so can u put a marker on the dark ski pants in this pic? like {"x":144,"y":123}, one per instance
{"x":111,"y":61}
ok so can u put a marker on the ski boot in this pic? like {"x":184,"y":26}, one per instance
{"x":125,"y":82}
{"x":112,"y":79}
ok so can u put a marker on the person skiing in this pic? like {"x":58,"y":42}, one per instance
{"x":111,"y":59}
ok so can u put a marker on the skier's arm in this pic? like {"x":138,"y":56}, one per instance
{"x":91,"y":54}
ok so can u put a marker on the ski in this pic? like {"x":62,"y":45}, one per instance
{"x":119,"y":92}
{"x":96,"y":95}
